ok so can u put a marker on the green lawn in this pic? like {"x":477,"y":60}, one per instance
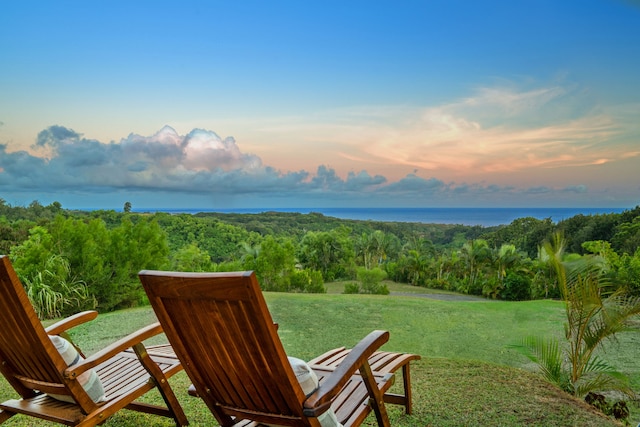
{"x":467,"y":376}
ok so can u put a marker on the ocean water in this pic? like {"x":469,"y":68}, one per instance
{"x":485,"y":217}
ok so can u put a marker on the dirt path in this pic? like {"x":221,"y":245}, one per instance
{"x":444,"y":297}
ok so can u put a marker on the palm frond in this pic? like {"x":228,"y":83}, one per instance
{"x":546,"y":353}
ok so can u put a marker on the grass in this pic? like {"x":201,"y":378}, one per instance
{"x":467,"y":376}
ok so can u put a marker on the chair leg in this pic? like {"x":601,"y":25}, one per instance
{"x":405,"y":399}
{"x":5,"y":415}
{"x":162,"y":384}
{"x":172,"y":403}
{"x":406,"y":379}
{"x":376,"y":397}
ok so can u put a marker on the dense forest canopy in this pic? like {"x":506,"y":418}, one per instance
{"x":69,"y":259}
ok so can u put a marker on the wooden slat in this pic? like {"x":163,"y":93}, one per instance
{"x":47,"y":408}
{"x":351,"y":406}
{"x":380,"y":362}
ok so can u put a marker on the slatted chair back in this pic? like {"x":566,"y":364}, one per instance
{"x":220,"y":327}
{"x":28,"y":358}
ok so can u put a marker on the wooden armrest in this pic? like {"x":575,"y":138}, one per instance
{"x":320,"y":400}
{"x":122,"y":344}
{"x":71,"y":322}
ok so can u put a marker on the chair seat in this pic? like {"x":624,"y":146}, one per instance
{"x":123,"y":373}
{"x":351,"y":406}
{"x":120,"y":375}
{"x":381,"y":362}
{"x":46,"y":408}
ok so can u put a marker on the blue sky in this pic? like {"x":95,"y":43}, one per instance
{"x":211,"y":104}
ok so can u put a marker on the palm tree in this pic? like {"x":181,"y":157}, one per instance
{"x":550,"y":255}
{"x":506,"y":257}
{"x":595,"y":314}
{"x":475,"y":254}
{"x":416,"y":267}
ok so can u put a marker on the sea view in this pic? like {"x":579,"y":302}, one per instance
{"x":485,"y":217}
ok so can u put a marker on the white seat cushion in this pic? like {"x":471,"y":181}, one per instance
{"x":89,"y":380}
{"x":309,"y":382}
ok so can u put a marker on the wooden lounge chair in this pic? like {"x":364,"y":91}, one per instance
{"x":220,"y":327}
{"x":35,"y":368}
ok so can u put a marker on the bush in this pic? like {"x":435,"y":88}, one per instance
{"x":370,"y":280}
{"x":307,"y":281}
{"x":438,"y":284}
{"x":492,"y":288}
{"x":351,"y":288}
{"x":53,"y":293}
{"x":517,"y":287}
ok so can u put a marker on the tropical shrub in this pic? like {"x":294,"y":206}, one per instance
{"x":370,"y":281}
{"x":307,"y":281}
{"x":595,"y":313}
{"x":517,"y":287}
{"x":439,"y":284}
{"x":351,"y":288}
{"x":492,"y":288}
{"x":54,"y":293}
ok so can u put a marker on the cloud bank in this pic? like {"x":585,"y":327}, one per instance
{"x":199,"y":163}
{"x":202,"y":163}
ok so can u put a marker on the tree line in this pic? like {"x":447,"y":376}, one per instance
{"x":71,"y":259}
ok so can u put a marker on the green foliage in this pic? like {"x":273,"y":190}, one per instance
{"x":191,"y":258}
{"x":526,"y":234}
{"x":13,"y":233}
{"x":370,"y":281}
{"x":517,"y":287}
{"x":415,"y":266}
{"x":352,"y":288}
{"x":492,"y":288}
{"x":132,"y":247}
{"x":627,"y":236}
{"x":274,"y":265}
{"x":102,"y":251}
{"x":439,"y":284}
{"x":374,"y":249}
{"x":222,"y":242}
{"x":106,"y":260}
{"x":475,"y":256}
{"x":548,"y":355}
{"x":331,"y":253}
{"x":54,"y":293}
{"x":229,"y":266}
{"x":584,"y":228}
{"x":307,"y":281}
{"x":628,"y":272}
{"x":32,"y":255}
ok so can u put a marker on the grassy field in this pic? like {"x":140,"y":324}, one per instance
{"x":468,"y":375}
